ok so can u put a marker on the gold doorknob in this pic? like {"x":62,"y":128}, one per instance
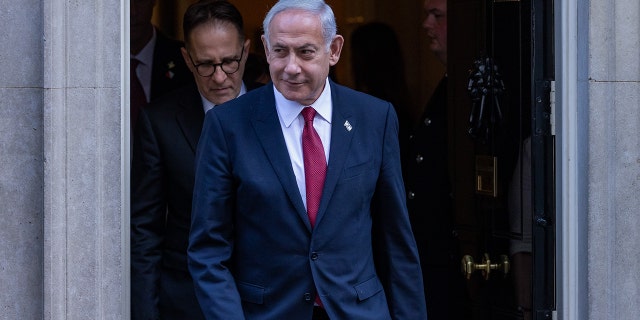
{"x":469,"y":266}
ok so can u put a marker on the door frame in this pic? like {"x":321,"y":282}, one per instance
{"x":571,"y":233}
{"x":543,"y":154}
{"x":570,"y":160}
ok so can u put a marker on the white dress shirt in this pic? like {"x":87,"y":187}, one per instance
{"x":208,"y":105}
{"x":292,"y":123}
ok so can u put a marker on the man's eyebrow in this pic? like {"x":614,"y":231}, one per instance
{"x":302,"y":46}
{"x":307,"y":46}
{"x":210,"y":61}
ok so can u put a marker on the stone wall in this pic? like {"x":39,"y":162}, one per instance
{"x":613,"y":81}
{"x":85,"y":256}
{"x":21,"y":160}
{"x":62,"y":238}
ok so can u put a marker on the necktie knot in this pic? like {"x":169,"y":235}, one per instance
{"x":308,"y":113}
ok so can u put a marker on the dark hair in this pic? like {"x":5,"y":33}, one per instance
{"x":211,"y":11}
{"x":378,"y":64}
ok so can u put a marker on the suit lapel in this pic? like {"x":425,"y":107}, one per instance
{"x":340,"y":142}
{"x":191,"y":117}
{"x":267,"y":126}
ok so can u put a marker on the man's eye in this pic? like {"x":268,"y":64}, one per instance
{"x":307,"y":54}
{"x":281,"y":53}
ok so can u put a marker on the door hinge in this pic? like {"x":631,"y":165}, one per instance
{"x":552,"y":104}
{"x":542,"y":109}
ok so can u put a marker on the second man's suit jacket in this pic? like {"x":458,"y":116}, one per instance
{"x":252,"y":251}
{"x":162,"y":179}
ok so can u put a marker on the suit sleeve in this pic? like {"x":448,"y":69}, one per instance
{"x":394,"y":246}
{"x":211,"y":237}
{"x":148,"y":210}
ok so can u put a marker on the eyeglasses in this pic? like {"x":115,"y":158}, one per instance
{"x":228,"y":66}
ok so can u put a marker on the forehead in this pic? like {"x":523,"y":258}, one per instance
{"x":431,"y":5}
{"x":293,"y":26}
{"x":214,"y":35}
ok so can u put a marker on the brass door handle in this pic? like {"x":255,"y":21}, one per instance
{"x":469,"y":266}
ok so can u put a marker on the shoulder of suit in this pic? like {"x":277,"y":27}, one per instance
{"x":253,"y":85}
{"x":167,"y":55}
{"x":164,"y":41}
{"x":186,"y":95}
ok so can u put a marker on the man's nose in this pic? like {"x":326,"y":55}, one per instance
{"x":292,"y":64}
{"x":428,"y":22}
{"x":218,"y":75}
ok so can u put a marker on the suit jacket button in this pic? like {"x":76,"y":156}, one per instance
{"x":314,"y":256}
{"x":307,"y":296}
{"x":411,"y":195}
{"x":427,"y":122}
{"x":419,"y":158}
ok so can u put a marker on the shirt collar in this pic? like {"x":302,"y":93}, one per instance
{"x":289,"y":110}
{"x":208,"y":105}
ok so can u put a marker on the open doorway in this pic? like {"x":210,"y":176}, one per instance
{"x":502,"y":170}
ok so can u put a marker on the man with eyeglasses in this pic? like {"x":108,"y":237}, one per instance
{"x":163,"y":161}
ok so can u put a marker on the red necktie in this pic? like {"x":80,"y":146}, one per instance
{"x":138,"y":98}
{"x":315,"y":164}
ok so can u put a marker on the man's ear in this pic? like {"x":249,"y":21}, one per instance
{"x":247,"y":49}
{"x":335,"y":49}
{"x":187,"y":60}
{"x":265,"y":46}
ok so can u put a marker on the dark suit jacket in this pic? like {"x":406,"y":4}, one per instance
{"x":162,"y":179}
{"x":169,"y":71}
{"x":252,"y":250}
{"x":429,"y":201}
{"x":426,"y":176}
{"x":162,"y":176}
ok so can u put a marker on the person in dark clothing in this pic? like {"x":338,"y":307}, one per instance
{"x":163,"y":165}
{"x":372,"y":43}
{"x":428,"y":186}
{"x":157,"y":66}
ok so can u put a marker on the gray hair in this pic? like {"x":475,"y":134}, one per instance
{"x":317,"y":7}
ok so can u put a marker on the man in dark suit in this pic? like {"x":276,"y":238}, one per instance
{"x":163,"y":162}
{"x":279,"y":232}
{"x":156,"y":62}
{"x":428,"y":186}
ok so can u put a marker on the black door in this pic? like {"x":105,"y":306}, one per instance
{"x":500,"y":70}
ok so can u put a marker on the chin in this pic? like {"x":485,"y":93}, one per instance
{"x":294,"y":95}
{"x":218,"y":100}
